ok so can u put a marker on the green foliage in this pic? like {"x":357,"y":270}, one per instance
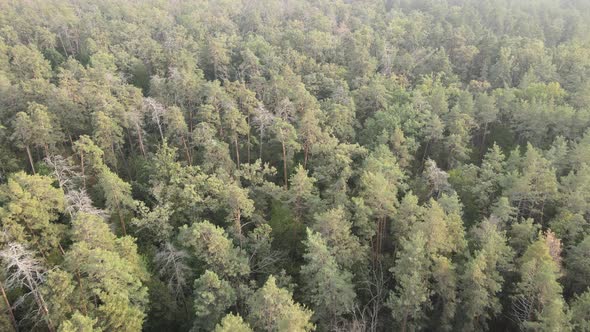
{"x":539,"y":303}
{"x":328,"y":287}
{"x":385,"y":128}
{"x":411,"y":297}
{"x":212,"y":298}
{"x":210,"y":244}
{"x":30,"y":209}
{"x":232,"y":323}
{"x":273,"y":309}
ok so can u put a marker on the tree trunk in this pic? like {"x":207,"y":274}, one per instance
{"x":260,"y":147}
{"x":238,"y":225}
{"x":186,"y":151}
{"x":483,"y":139}
{"x":160,"y":129}
{"x":122,"y":221}
{"x":248,"y":137}
{"x":305,"y":154}
{"x":83,"y":172}
{"x":140,"y":139}
{"x":8,"y":307}
{"x":30,"y":158}
{"x":404,"y":323}
{"x":122,"y":224}
{"x":285,"y":165}
{"x":425,"y":151}
{"x":237,"y":150}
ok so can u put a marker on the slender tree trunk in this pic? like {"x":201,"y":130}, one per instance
{"x":8,"y":307}
{"x":425,"y":151}
{"x":121,"y":220}
{"x":285,"y":165}
{"x":160,"y":129}
{"x":83,"y":172}
{"x":30,"y":158}
{"x":190,"y":122}
{"x":248,"y":137}
{"x":122,"y":223}
{"x":115,"y":158}
{"x":186,"y":151}
{"x":237,"y":150}
{"x":404,"y":323}
{"x":483,"y":139}
{"x":43,"y":307}
{"x":238,"y":224}
{"x":63,"y":46}
{"x":46,"y":149}
{"x":305,"y":155}
{"x":260,"y":146}
{"x":140,"y":139}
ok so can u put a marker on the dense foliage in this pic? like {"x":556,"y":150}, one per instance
{"x":296,"y":165}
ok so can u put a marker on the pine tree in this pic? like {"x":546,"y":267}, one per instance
{"x":336,"y":230}
{"x":23,"y":134}
{"x":232,"y":323}
{"x":110,"y":275}
{"x":213,"y":296}
{"x":482,"y":279}
{"x":329,"y":287}
{"x":273,"y":309}
{"x":30,"y":210}
{"x":580,"y":312}
{"x":411,"y":297}
{"x":210,"y":244}
{"x":539,"y":303}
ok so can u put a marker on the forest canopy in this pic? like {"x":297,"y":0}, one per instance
{"x":294,"y":165}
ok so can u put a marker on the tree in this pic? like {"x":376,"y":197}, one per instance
{"x":490,"y":178}
{"x":30,"y":210}
{"x":577,"y":266}
{"x":486,"y":113}
{"x":286,"y":135}
{"x":26,"y":272}
{"x":213,"y":296}
{"x":335,"y":228}
{"x":482,"y":279}
{"x":580,"y":311}
{"x":210,"y":245}
{"x":79,"y":323}
{"x":46,"y":134}
{"x":407,"y":215}
{"x":90,"y":154}
{"x":309,"y":132}
{"x":117,"y":194}
{"x":379,"y":183}
{"x":436,"y":178}
{"x":302,"y":194}
{"x":273,"y":309}
{"x":536,"y":185}
{"x":239,"y":205}
{"x":232,"y":323}
{"x":108,"y":135}
{"x":411,"y":296}
{"x":539,"y":303}
{"x":23,"y":134}
{"x":329,"y":287}
{"x":173,"y":269}
{"x":177,"y":129}
{"x":111,"y":275}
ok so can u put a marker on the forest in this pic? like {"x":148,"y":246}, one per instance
{"x":294,"y":165}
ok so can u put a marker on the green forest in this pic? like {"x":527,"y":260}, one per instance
{"x":294,"y":165}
